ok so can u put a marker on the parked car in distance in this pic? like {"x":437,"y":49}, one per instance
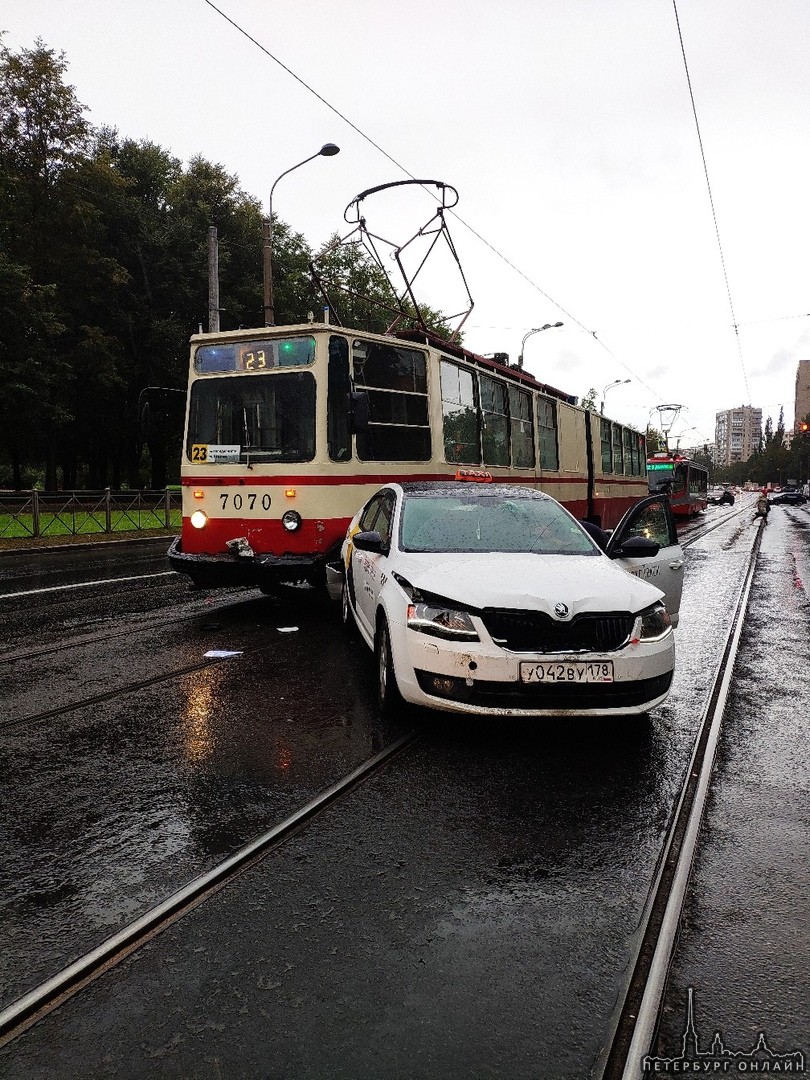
{"x":719,"y":496}
{"x":789,"y":498}
{"x":492,"y":599}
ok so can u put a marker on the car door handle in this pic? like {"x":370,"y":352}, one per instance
{"x":676,"y":564}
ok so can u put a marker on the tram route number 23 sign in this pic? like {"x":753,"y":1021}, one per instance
{"x":215,"y":453}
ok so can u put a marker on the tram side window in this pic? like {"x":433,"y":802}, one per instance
{"x":547,"y":434}
{"x":338,"y":431}
{"x":629,"y":444}
{"x":395,"y":379}
{"x":618,"y":460}
{"x":521,"y":428}
{"x":640,"y":455}
{"x":495,"y":419}
{"x":607,"y":450}
{"x":459,"y":415}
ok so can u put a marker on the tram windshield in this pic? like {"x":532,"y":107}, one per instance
{"x":663,"y":476}
{"x":252,"y":418}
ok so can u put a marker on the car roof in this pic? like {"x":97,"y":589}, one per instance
{"x":471,"y":488}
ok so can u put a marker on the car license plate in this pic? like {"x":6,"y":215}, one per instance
{"x":567,"y":671}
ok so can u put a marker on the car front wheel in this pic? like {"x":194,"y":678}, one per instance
{"x":349,"y":624}
{"x":388,"y":695}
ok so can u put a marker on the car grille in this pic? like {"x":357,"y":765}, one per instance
{"x":534,"y":631}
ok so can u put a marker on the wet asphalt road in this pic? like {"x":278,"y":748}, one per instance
{"x":469,"y":912}
{"x":745,"y":944}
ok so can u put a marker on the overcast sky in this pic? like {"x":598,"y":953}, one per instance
{"x":567,"y":128}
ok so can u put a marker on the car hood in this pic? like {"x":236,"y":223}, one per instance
{"x":528,"y":582}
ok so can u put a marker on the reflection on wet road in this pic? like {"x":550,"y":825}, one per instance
{"x":468,"y":912}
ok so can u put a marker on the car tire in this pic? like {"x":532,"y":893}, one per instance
{"x":389,"y":699}
{"x":346,"y":614}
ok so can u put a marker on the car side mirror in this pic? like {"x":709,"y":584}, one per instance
{"x":636,"y":547}
{"x":369,"y":541}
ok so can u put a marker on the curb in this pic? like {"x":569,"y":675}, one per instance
{"x":83,"y":547}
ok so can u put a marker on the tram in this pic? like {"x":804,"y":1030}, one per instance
{"x":290,"y":429}
{"x":685,"y":482}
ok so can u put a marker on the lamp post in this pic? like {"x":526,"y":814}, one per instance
{"x":616,"y":382}
{"x":327,"y":150}
{"x":536,"y":330}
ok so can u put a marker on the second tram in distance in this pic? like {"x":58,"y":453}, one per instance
{"x":684,"y":481}
{"x":289,"y":430}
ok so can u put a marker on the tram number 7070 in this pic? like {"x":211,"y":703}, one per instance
{"x":244,"y":500}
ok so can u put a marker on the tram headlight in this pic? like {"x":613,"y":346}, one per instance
{"x":199,"y":519}
{"x":291,"y":520}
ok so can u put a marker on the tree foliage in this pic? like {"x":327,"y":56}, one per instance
{"x":589,"y":401}
{"x":774,"y":462}
{"x":104,"y":276}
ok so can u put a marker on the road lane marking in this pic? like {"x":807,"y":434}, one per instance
{"x":86,"y":584}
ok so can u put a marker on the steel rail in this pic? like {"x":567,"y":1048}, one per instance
{"x":700,"y":529}
{"x":128,"y":688}
{"x":43,"y":999}
{"x":636,"y":1019}
{"x":150,"y":621}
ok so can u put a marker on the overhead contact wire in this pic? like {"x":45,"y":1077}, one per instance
{"x":734,"y":322}
{"x":410,"y":175}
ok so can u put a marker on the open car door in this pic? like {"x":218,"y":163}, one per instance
{"x":652,"y":518}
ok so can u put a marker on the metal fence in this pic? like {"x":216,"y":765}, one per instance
{"x":60,"y":513}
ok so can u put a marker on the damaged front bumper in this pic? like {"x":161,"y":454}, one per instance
{"x":241,"y":566}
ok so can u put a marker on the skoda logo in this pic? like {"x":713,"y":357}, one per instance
{"x":560,"y":610}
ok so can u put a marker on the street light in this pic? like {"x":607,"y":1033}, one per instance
{"x":536,"y":330}
{"x":327,"y":150}
{"x":616,"y":382}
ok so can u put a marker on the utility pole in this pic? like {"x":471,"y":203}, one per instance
{"x":213,"y":281}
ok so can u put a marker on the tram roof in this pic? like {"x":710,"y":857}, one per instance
{"x":416,"y":337}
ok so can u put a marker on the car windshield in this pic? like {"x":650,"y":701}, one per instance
{"x":439,"y":523}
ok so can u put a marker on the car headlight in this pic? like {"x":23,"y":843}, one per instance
{"x":199,"y":519}
{"x":652,"y":624}
{"x":291,"y":520}
{"x":441,"y":622}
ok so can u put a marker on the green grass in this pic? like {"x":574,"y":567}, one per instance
{"x":81,"y":523}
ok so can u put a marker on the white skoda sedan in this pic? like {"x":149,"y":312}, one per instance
{"x":493,"y":599}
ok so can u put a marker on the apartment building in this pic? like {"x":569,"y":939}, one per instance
{"x":737,"y":434}
{"x":802,"y":399}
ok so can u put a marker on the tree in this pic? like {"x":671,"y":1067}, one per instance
{"x":589,"y":401}
{"x":104,"y":276}
{"x":43,"y":135}
{"x":656,"y":441}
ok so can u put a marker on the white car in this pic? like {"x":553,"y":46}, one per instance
{"x":493,"y":599}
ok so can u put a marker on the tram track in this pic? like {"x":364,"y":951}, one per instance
{"x":144,"y":624}
{"x":696,"y":531}
{"x":124,"y":689}
{"x":635,"y":1022}
{"x":74,"y":977}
